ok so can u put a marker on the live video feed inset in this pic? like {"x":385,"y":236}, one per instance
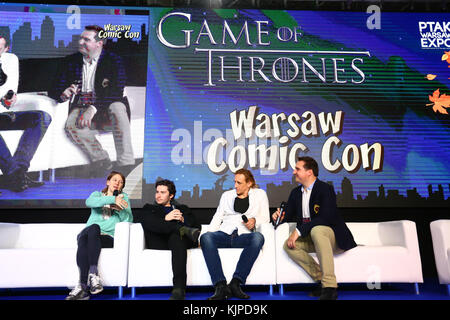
{"x":73,"y":96}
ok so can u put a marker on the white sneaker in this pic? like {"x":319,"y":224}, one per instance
{"x":78,"y":293}
{"x":94,"y":283}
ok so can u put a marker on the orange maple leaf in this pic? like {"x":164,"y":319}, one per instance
{"x":440,"y":102}
{"x":446,"y":56}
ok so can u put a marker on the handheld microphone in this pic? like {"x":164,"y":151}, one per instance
{"x":9,"y":95}
{"x":76,"y":83}
{"x":178,"y":221}
{"x":115,"y":194}
{"x":6,"y":99}
{"x":282,"y":208}
{"x":245,"y":219}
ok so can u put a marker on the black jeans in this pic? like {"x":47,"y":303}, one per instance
{"x":90,"y":243}
{"x":178,"y":246}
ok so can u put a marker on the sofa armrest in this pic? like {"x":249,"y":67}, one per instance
{"x":440,"y":234}
{"x":137,"y":238}
{"x":282,"y":232}
{"x":122,"y":236}
{"x":398,"y":233}
{"x":9,"y":234}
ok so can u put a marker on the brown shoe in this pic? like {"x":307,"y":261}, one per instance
{"x":328,"y":294}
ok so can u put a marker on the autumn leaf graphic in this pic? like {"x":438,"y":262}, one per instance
{"x":446,"y":56}
{"x":430,"y":76}
{"x":440,"y":102}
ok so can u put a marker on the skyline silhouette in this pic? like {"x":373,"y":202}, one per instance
{"x":43,"y":46}
{"x":277,"y":193}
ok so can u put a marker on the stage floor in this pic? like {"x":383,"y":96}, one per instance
{"x":429,"y":290}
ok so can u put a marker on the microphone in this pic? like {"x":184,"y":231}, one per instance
{"x":178,"y":221}
{"x":6,"y":101}
{"x":115,"y":194}
{"x":9,"y":95}
{"x":245,"y":219}
{"x":76,"y":83}
{"x":282,"y":208}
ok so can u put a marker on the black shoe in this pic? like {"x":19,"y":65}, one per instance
{"x":16,"y":181}
{"x":236,"y":290}
{"x":101,"y":167}
{"x":191,"y":233}
{"x":222,"y":291}
{"x":178,"y":294}
{"x":317,"y":291}
{"x":31,"y":183}
{"x":328,"y":294}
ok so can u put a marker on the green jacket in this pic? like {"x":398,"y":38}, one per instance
{"x":96,"y":201}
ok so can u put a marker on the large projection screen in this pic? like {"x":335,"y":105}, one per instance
{"x":363,"y":94}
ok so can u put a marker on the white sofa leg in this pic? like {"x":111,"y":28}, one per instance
{"x":281,"y":289}
{"x":41,"y":176}
{"x":270,"y":290}
{"x":52,"y":175}
{"x":448,"y":289}
{"x":133,"y":292}
{"x":416,"y":287}
{"x":120,"y":292}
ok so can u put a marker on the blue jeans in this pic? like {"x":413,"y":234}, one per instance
{"x":211,"y":241}
{"x":34,"y":124}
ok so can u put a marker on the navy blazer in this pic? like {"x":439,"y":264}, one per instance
{"x":323,"y":210}
{"x":109,"y":83}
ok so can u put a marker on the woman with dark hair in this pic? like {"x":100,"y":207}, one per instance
{"x":108,"y":207}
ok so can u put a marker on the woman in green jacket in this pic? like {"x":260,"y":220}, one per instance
{"x":108,"y":207}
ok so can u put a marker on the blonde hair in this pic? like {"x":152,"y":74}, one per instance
{"x":248,"y":176}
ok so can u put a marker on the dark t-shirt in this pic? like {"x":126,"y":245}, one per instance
{"x":241,"y":205}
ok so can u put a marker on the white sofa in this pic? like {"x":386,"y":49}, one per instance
{"x":440,"y":234}
{"x":44,"y":255}
{"x":153,"y":268}
{"x":56,"y":150}
{"x":386,"y":252}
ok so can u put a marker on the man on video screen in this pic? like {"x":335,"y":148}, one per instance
{"x":93,"y":81}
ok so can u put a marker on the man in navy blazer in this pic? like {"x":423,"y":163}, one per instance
{"x":320,"y":228}
{"x":93,"y":80}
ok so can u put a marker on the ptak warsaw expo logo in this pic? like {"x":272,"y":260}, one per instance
{"x":434,"y":34}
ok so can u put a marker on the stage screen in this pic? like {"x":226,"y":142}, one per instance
{"x":210,"y":91}
{"x":46,"y":39}
{"x":365,"y":94}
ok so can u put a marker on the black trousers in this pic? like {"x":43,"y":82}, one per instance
{"x":90,"y":243}
{"x":172,"y":241}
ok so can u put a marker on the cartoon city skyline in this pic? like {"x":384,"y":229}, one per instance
{"x":280,"y":192}
{"x":24,"y":46}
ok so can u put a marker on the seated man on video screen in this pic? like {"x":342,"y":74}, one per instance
{"x":34,"y":124}
{"x":93,"y":79}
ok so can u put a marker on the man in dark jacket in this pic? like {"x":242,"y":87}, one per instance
{"x":93,"y":81}
{"x":320,"y":228}
{"x":170,"y":226}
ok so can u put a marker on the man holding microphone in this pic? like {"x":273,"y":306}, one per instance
{"x":320,"y":228}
